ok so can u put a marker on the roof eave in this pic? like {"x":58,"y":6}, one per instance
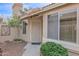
{"x":44,"y":10}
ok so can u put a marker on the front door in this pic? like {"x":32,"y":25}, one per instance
{"x":36,"y":31}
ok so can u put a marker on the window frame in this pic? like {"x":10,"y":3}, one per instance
{"x":64,"y":12}
{"x":48,"y":25}
{"x":59,"y":14}
{"x":24,"y":28}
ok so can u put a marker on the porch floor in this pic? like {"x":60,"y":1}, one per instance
{"x":31,"y":50}
{"x":34,"y":50}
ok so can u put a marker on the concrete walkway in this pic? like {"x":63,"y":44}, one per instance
{"x":31,"y":50}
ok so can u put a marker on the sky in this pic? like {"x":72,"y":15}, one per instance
{"x":6,"y":8}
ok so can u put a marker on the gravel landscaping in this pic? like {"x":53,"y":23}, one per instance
{"x":12,"y":48}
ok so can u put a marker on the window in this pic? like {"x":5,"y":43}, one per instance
{"x":24,"y":27}
{"x":53,"y":26}
{"x":68,"y":26}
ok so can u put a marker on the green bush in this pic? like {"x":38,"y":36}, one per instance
{"x":53,"y":49}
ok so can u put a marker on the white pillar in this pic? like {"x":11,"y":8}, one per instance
{"x":77,"y":27}
{"x":45,"y":27}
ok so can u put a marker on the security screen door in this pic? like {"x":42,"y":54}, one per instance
{"x":68,"y":27}
{"x":36,"y":30}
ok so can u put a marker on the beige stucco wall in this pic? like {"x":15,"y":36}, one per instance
{"x":13,"y":34}
{"x":25,"y":36}
{"x":68,"y":7}
{"x":9,"y":37}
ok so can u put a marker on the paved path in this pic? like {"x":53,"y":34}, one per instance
{"x":31,"y":50}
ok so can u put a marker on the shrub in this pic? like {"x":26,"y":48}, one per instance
{"x":19,"y":40}
{"x":53,"y":49}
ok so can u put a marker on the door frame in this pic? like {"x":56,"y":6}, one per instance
{"x":41,"y":20}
